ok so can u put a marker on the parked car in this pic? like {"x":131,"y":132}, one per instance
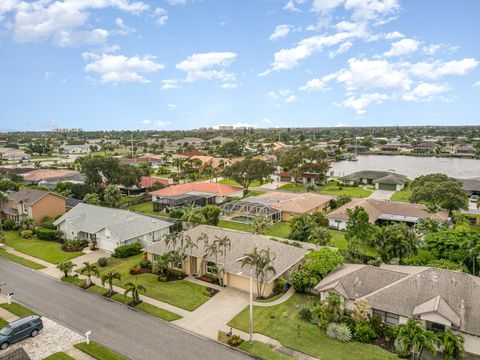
{"x":474,"y":198}
{"x":20,"y":329}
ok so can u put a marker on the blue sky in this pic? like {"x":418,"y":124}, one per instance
{"x":182,"y":64}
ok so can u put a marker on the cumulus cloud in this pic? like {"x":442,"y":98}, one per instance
{"x":342,"y":49}
{"x":477,"y":84}
{"x":177,"y":2}
{"x":360,"y":103}
{"x":284,"y":95}
{"x":170,"y":84}
{"x":229,"y":86}
{"x":280,"y":32}
{"x":161,"y":16}
{"x":208,"y":66}
{"x":291,"y":5}
{"x":318,"y":83}
{"x":120,"y":68}
{"x":438,"y":68}
{"x":403,"y":47}
{"x":362,"y":10}
{"x":123,"y":29}
{"x":64,"y":23}
{"x":425,"y":92}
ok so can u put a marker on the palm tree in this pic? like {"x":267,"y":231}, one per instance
{"x":413,"y":338}
{"x":134,"y":289}
{"x":189,"y":246}
{"x":260,"y":224}
{"x":66,"y":267}
{"x":161,"y":264}
{"x":320,"y":236}
{"x":212,"y":250}
{"x":452,"y":345}
{"x":224,"y":244}
{"x":177,"y":256}
{"x":171,"y":239}
{"x":27,"y":223}
{"x":109,"y":277}
{"x":262,"y":263}
{"x":89,"y":269}
{"x":334,"y":304}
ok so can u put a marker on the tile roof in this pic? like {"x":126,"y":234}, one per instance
{"x":293,"y":202}
{"x":241,"y":243}
{"x":149,"y":181}
{"x":374,"y":175}
{"x":48,"y":174}
{"x":123,"y":224}
{"x":387,"y":209}
{"x":213,"y":188}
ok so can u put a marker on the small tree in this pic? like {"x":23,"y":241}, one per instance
{"x":89,"y":269}
{"x":66,"y":267}
{"x":92,"y":199}
{"x":27,"y":223}
{"x":262,"y":263}
{"x":135,"y":290}
{"x":260,"y":224}
{"x":360,"y":310}
{"x":452,"y":345}
{"x":109,"y":277}
{"x":160,"y":266}
{"x":412,"y":338}
{"x":320,"y":236}
{"x":112,"y":195}
{"x":358,"y":230}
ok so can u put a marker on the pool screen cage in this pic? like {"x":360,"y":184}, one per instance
{"x":249,"y":208}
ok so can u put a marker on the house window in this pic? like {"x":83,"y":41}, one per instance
{"x":211,"y":268}
{"x":388,"y":318}
{"x":435,"y":327}
{"x":25,"y":208}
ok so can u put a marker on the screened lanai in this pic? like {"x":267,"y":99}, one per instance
{"x":251,"y":207}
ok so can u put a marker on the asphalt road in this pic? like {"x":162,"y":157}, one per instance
{"x":133,"y":334}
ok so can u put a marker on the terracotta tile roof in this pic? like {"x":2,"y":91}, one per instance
{"x":218,"y":189}
{"x":45,"y":174}
{"x":203,"y":158}
{"x":300,"y":203}
{"x":149,"y":181}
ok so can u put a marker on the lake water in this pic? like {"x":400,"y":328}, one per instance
{"x":411,"y":166}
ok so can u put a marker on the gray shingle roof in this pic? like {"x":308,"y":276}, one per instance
{"x":372,"y":174}
{"x":241,"y":243}
{"x":28,"y":196}
{"x":122,"y":224}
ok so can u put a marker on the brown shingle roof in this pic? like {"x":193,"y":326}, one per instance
{"x":28,"y":196}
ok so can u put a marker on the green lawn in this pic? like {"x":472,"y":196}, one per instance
{"x":331,"y":188}
{"x":281,"y":322}
{"x":158,"y":312}
{"x":145,"y":207}
{"x":49,"y":251}
{"x":234,"y":183}
{"x":402,"y":195}
{"x":59,"y":356}
{"x":3,"y":323}
{"x":181,"y":293}
{"x":280,"y":229}
{"x":263,"y":351}
{"x":19,"y":260}
{"x":17,"y":309}
{"x":99,"y":352}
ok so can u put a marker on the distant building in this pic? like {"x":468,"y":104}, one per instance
{"x":76,"y":149}
{"x":49,"y":177}
{"x":383,"y":180}
{"x":67,"y":130}
{"x":11,"y":154}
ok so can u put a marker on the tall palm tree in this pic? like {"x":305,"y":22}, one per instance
{"x":109,"y":277}
{"x":135,"y":290}
{"x":413,"y":338}
{"x":452,"y":345}
{"x":212,"y":250}
{"x":189,"y":246}
{"x":177,"y":256}
{"x":262,"y":263}
{"x":89,"y":269}
{"x":66,"y":267}
{"x":224,"y":244}
{"x":171,"y":239}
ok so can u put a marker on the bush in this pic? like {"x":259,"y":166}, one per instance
{"x":127,"y":250}
{"x":390,"y":332}
{"x":26,"y":234}
{"x":175,"y":273}
{"x":176,"y":213}
{"x":364,"y":332}
{"x":305,"y":314}
{"x":320,"y":315}
{"x":74,"y":245}
{"x":48,"y":234}
{"x":135,"y":270}
{"x":235,"y":340}
{"x":47,"y":222}
{"x":279,"y":285}
{"x":339,"y":331}
{"x":9,"y":224}
{"x":102,"y":262}
{"x":146,"y":264}
{"x":378,"y":325}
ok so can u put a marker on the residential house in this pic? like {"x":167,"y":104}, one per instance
{"x":275,"y":205}
{"x":31,"y":203}
{"x":286,"y":258}
{"x":154,"y":160}
{"x":380,"y":211}
{"x":195,"y":193}
{"x":441,"y":299}
{"x":49,"y":178}
{"x":304,"y":178}
{"x":460,"y":150}
{"x":383,"y":180}
{"x":11,"y":154}
{"x":221,"y":140}
{"x":76,"y":149}
{"x":425,"y":148}
{"x":111,"y":227}
{"x":471,"y":185}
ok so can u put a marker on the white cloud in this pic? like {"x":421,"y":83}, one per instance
{"x":267,"y":121}
{"x":477,"y":84}
{"x":170,"y":84}
{"x":64,"y":23}
{"x":291,"y":5}
{"x":229,"y":86}
{"x":342,"y":49}
{"x":431,"y":49}
{"x":280,"y":32}
{"x":177,"y":2}
{"x":120,"y":68}
{"x":161,"y":15}
{"x":425,"y":92}
{"x":172,"y":106}
{"x":208,"y":66}
{"x":123,"y":29}
{"x":436,"y":69}
{"x":325,"y":6}
{"x":156,"y":123}
{"x":362,"y":10}
{"x":394,"y":35}
{"x":284,"y":95}
{"x":360,"y":103}
{"x":403,"y":47}
{"x":318,"y":83}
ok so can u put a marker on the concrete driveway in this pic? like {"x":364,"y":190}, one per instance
{"x":381,"y":195}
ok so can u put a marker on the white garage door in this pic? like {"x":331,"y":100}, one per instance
{"x":105,"y":244}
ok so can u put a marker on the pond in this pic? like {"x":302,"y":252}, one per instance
{"x":411,"y":166}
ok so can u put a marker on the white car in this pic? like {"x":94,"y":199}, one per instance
{"x":474,"y":198}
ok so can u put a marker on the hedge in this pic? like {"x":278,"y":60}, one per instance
{"x":127,"y":250}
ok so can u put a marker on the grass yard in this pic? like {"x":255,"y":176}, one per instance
{"x":402,"y":195}
{"x":331,"y":188}
{"x":99,"y":352}
{"x":263,"y":351}
{"x":234,"y":183}
{"x":181,"y":293}
{"x":3,"y":323}
{"x":158,"y":312}
{"x":19,"y":260}
{"x":145,"y":207}
{"x":17,"y":309}
{"x":49,"y":251}
{"x":59,"y":356}
{"x":281,"y":322}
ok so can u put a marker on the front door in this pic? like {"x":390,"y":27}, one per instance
{"x":193,"y":265}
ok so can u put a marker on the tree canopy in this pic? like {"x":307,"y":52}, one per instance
{"x":249,"y":170}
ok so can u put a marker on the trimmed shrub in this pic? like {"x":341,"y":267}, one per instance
{"x":48,"y":234}
{"x":135,"y":270}
{"x":102,"y":262}
{"x":127,"y":250}
{"x":26,"y":234}
{"x":146,"y":264}
{"x":176,"y":213}
{"x":47,"y":222}
{"x":235,"y":340}
{"x":305,"y":314}
{"x":279,"y":285}
{"x":8,"y":224}
{"x":74,"y":245}
{"x":364,"y":332}
{"x":339,"y":331}
{"x":175,"y":273}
